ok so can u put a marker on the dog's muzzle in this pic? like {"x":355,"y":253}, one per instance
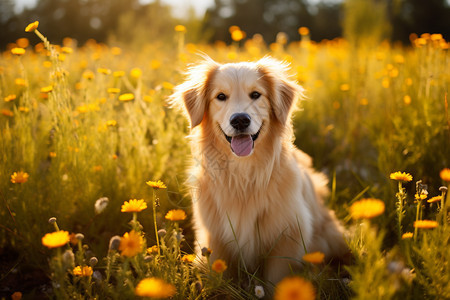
{"x":242,"y":144}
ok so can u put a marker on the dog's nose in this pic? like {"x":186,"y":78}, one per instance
{"x":240,"y":121}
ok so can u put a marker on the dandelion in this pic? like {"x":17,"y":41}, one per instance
{"x":434,"y":199}
{"x":134,"y":205}
{"x":156,"y":184}
{"x":84,"y":271}
{"x":401,"y":176}
{"x":189,"y":258}
{"x":259,"y":292}
{"x":101,"y":204}
{"x":126,"y":97}
{"x":18,"y":51}
{"x":155,"y":288}
{"x":445,"y":174}
{"x":55,"y":239}
{"x":10,"y":98}
{"x":32,"y":26}
{"x":314,"y":257}
{"x":176,"y":215}
{"x":130,"y":244}
{"x":367,"y":208}
{"x":219,"y":266}
{"x":19,"y":177}
{"x":294,"y":288}
{"x":407,"y":235}
{"x":425,"y":224}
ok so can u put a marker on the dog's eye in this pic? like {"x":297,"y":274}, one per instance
{"x":221,"y":97}
{"x":255,"y":95}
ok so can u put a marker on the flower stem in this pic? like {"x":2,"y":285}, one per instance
{"x":154,"y":220}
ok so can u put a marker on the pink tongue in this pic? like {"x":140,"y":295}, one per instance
{"x":242,"y":145}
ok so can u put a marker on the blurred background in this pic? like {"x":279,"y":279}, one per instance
{"x":135,"y":22}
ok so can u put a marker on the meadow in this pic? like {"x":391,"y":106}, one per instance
{"x":86,"y":135}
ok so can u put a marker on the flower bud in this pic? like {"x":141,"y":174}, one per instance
{"x":114,"y":242}
{"x":52,"y":220}
{"x":93,"y":261}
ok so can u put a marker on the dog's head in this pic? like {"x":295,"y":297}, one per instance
{"x":242,"y":101}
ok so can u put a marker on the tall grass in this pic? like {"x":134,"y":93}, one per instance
{"x":368,"y":113}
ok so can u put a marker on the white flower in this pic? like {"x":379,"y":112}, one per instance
{"x":101,"y":204}
{"x":259,"y":292}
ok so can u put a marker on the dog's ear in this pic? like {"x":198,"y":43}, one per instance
{"x":282,"y":91}
{"x":192,"y":95}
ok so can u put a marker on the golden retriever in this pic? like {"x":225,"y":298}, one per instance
{"x":257,"y":202}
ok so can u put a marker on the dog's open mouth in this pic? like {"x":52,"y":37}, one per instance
{"x":242,"y":144}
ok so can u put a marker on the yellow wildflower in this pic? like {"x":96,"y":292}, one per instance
{"x":126,"y":97}
{"x":445,"y":174}
{"x":113,"y":90}
{"x":20,"y":82}
{"x":156,"y":184}
{"x":401,"y":176}
{"x":118,"y":74}
{"x":23,"y":109}
{"x":237,"y":35}
{"x":188,"y":258}
{"x":23,"y":42}
{"x":89,"y":75}
{"x":314,"y":257}
{"x":180,"y":28}
{"x":434,"y":199}
{"x":19,"y":177}
{"x":10,"y":98}
{"x":104,"y":71}
{"x":152,"y":250}
{"x":32,"y":26}
{"x":176,"y":215}
{"x":425,"y":224}
{"x":303,"y":31}
{"x":18,"y":51}
{"x":407,"y":235}
{"x":134,"y":205}
{"x":67,"y":50}
{"x":345,"y":87}
{"x":47,"y":89}
{"x":84,"y":271}
{"x":116,"y":51}
{"x":130,"y":244}
{"x":422,"y":196}
{"x":111,"y":123}
{"x":155,"y":288}
{"x":56,"y":239}
{"x":367,"y":208}
{"x":407,"y":99}
{"x":294,"y":288}
{"x":219,"y":266}
{"x":136,"y":73}
{"x":7,"y":112}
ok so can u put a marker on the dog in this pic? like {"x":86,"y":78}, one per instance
{"x":257,"y":202}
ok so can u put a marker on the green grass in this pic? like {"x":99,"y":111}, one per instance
{"x":368,"y":113}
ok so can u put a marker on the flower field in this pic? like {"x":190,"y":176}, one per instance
{"x":92,"y":169}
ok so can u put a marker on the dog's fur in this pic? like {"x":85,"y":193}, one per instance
{"x":259,"y":210}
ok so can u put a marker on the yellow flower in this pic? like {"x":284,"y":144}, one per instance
{"x":422,"y":196}
{"x":401,"y":176}
{"x":157,"y":184}
{"x":10,"y":98}
{"x":445,"y":174}
{"x":167,"y":85}
{"x":136,"y":72}
{"x":294,"y":288}
{"x":111,"y":123}
{"x":434,"y":199}
{"x":152,"y":250}
{"x":19,"y":177}
{"x":180,"y":28}
{"x":89,"y":75}
{"x":134,"y":205}
{"x":314,"y":257}
{"x":113,"y":90}
{"x":67,"y":50}
{"x":6,"y":112}
{"x":84,"y":271}
{"x":189,"y":258}
{"x":407,"y":99}
{"x":47,"y":89}
{"x":32,"y":26}
{"x":56,"y":239}
{"x":18,"y":51}
{"x":20,"y":82}
{"x":130,"y":244}
{"x":104,"y":71}
{"x":425,"y":224}
{"x":367,"y":208}
{"x":303,"y":31}
{"x":237,"y":35}
{"x":219,"y":266}
{"x":116,"y":51}
{"x":155,"y":288}
{"x":126,"y":97}
{"x":407,"y":235}
{"x":118,"y":74}
{"x":345,"y":87}
{"x":176,"y":215}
